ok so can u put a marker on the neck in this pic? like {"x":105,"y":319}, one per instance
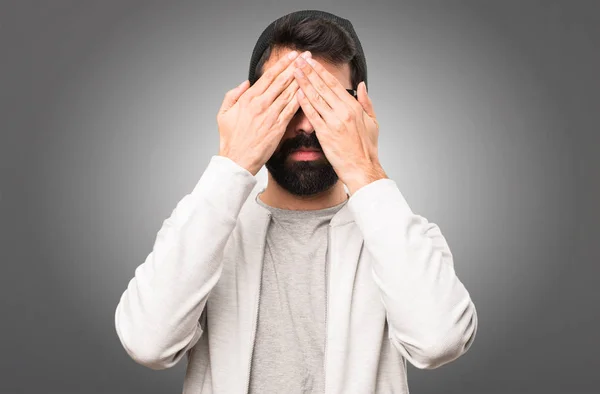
{"x":275,"y":196}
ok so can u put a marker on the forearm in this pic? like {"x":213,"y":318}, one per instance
{"x":157,"y":318}
{"x":431,"y":317}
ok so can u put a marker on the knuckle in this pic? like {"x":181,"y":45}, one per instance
{"x":288,"y":94}
{"x":285,"y":74}
{"x":279,"y":89}
{"x":347,"y":115}
{"x":283,"y":118}
{"x":269,"y":121}
{"x":259,"y":105}
{"x":294,"y":108}
{"x":277,"y":124}
{"x":293,"y":87}
{"x":283,"y":81}
{"x":338,"y":125}
{"x":243,"y":100}
{"x":268,"y":74}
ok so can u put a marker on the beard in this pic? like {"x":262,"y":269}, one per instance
{"x":301,"y":177}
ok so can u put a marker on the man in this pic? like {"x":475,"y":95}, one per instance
{"x":299,"y":287}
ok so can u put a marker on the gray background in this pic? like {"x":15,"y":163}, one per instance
{"x":489,"y":114}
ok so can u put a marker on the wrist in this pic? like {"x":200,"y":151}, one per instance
{"x":251,"y":168}
{"x":364,"y":177}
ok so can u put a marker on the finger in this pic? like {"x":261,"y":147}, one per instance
{"x":313,"y":116}
{"x":317,"y":91}
{"x":271,"y":73}
{"x":280,"y":83}
{"x":365,"y":100}
{"x":289,"y":111}
{"x":233,"y":95}
{"x":328,"y":85}
{"x":282,"y":101}
{"x":318,"y":104}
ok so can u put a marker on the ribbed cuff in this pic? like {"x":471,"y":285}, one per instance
{"x":378,"y":202}
{"x":225,"y":185}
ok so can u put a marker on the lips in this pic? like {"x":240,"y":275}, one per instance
{"x":306,"y":154}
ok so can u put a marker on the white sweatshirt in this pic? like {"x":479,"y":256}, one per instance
{"x":393,"y":293}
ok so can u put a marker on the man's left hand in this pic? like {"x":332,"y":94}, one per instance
{"x":347,"y":128}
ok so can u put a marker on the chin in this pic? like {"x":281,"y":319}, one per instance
{"x":303,"y":178}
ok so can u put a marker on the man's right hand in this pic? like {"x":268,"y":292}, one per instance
{"x":252,"y":121}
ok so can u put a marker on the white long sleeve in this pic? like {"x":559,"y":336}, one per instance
{"x":432,"y":319}
{"x":157,"y":318}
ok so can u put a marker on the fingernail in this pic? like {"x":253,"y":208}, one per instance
{"x":306,"y":54}
{"x":292,"y":54}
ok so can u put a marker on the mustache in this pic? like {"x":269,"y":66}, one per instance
{"x":302,"y":140}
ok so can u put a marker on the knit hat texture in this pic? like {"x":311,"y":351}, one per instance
{"x":266,"y":36}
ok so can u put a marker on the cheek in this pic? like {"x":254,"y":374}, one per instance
{"x":289,"y":131}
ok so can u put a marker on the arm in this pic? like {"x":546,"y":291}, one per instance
{"x":431,"y":318}
{"x":157,"y":318}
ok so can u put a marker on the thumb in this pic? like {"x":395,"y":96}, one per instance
{"x":365,"y":100}
{"x":233,"y":96}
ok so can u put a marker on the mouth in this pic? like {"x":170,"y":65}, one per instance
{"x":306,"y":154}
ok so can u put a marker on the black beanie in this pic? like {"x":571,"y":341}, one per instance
{"x":266,"y":36}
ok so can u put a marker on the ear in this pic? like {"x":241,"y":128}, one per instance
{"x":365,"y":100}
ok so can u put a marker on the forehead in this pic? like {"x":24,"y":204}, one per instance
{"x":340,"y":71}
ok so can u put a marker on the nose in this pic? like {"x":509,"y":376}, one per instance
{"x":301,"y":122}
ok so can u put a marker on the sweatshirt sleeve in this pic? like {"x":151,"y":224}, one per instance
{"x":431,"y":317}
{"x":157,"y":318}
